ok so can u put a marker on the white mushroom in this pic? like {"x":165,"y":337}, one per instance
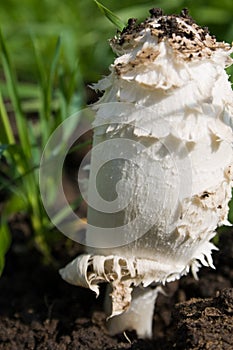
{"x":167,"y":93}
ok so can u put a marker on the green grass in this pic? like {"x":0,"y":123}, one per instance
{"x":49,"y":102}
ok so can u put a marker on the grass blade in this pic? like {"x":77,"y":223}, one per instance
{"x":114,"y":19}
{"x":46,"y":88}
{"x":12,"y":83}
{"x":52,"y":73}
{"x":4,"y":243}
{"x":7,"y":135}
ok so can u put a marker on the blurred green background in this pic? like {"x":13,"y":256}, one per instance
{"x":85,"y":31}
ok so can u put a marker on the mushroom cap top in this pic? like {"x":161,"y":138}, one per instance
{"x":187,"y":39}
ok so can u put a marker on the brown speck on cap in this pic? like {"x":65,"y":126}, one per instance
{"x":184,"y":13}
{"x":188,"y":40}
{"x":156,"y":12}
{"x":131,"y":22}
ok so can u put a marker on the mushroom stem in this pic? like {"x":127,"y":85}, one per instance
{"x":139,"y":315}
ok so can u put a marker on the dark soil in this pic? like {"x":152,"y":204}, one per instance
{"x":38,"y":310}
